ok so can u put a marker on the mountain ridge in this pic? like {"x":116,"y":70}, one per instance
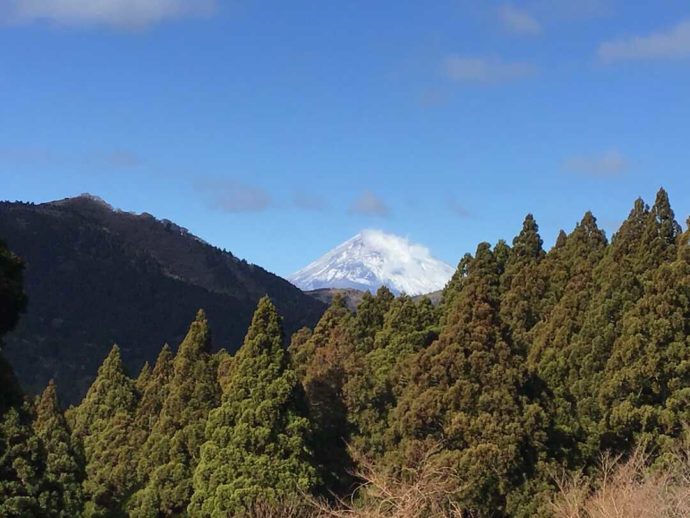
{"x":96,"y":276}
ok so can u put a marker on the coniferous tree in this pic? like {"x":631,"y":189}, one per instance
{"x":644,"y":242}
{"x":523,"y":285}
{"x":172,"y":450}
{"x":12,"y":296}
{"x":143,"y":378}
{"x":225,"y":363}
{"x":257,"y":439}
{"x":22,"y":458}
{"x":64,"y":461}
{"x":368,"y":319}
{"x":466,"y":393}
{"x":153,"y":395}
{"x":371,"y":391}
{"x":23,"y":488}
{"x":453,"y":288}
{"x":101,"y":424}
{"x":321,"y":366}
{"x":569,"y":267}
{"x":645,"y":390}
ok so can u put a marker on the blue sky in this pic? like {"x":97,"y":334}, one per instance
{"x":279,"y":129}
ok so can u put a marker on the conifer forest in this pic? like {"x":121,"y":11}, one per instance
{"x":536,"y":379}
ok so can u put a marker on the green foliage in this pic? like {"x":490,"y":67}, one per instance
{"x":23,"y":488}
{"x":143,"y":378}
{"x":169,"y":456}
{"x":376,"y":380}
{"x":321,"y":363}
{"x":154,"y":390}
{"x":569,"y":268}
{"x":64,"y":461}
{"x":645,"y":241}
{"x":12,"y":297}
{"x":257,"y":449}
{"x":368,"y":319}
{"x":101,"y":423}
{"x":523,"y":285}
{"x":466,"y":393}
{"x":645,"y":391}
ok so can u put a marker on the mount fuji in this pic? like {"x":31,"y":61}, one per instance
{"x":372,"y":259}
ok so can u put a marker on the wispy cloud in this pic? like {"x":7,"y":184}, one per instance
{"x":518,"y":21}
{"x":368,"y":204}
{"x":457,"y":208}
{"x":47,"y":158}
{"x":234,"y":196}
{"x":465,"y":69}
{"x":305,"y":201}
{"x":571,"y":10}
{"x":120,"y":159}
{"x":115,"y":13}
{"x":673,"y":43}
{"x":608,"y":163}
{"x":29,"y":157}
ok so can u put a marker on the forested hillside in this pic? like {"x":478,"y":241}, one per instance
{"x":96,"y":276}
{"x":533,"y":365}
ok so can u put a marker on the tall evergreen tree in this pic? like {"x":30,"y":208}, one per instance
{"x":101,"y":423}
{"x":321,"y":364}
{"x":225,"y":363}
{"x":257,"y":439}
{"x":372,"y":389}
{"x":12,"y":296}
{"x":569,"y":268}
{"x":523,"y":285}
{"x":645,"y":390}
{"x":154,"y":391}
{"x":453,"y":288}
{"x":22,"y":458}
{"x":172,"y":450}
{"x":466,"y":393}
{"x":64,"y":461}
{"x":23,"y":488}
{"x":368,"y":319}
{"x":644,"y":242}
{"x":143,"y":378}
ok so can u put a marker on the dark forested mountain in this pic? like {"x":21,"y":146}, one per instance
{"x":96,"y":276}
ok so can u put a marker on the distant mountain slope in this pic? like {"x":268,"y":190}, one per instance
{"x":354,"y":297}
{"x":326,"y":295}
{"x":96,"y":276}
{"x":373,"y":259}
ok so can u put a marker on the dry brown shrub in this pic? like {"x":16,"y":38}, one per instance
{"x":424,"y":490}
{"x":285,"y":509}
{"x":628,"y":489}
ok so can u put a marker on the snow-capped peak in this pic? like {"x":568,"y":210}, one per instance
{"x":372,"y":259}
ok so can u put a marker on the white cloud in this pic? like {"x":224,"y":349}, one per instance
{"x":368,"y":204}
{"x":608,"y":163}
{"x":306,"y":201}
{"x":571,"y":10}
{"x":233,"y":196}
{"x":485,"y":70}
{"x":518,"y":21}
{"x":670,"y":44}
{"x":116,"y":13}
{"x":458,"y":209}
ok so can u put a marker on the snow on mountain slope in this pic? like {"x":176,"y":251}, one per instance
{"x":373,"y":259}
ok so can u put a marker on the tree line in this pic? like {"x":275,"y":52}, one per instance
{"x":533,"y":365}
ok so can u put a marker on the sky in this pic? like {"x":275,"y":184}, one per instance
{"x":277,"y":130}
